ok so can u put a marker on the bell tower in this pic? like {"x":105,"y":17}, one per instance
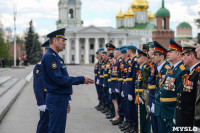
{"x":69,"y":13}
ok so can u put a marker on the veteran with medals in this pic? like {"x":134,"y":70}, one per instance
{"x":186,"y":96}
{"x":170,"y":86}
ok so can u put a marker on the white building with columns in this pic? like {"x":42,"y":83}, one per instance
{"x":83,"y":42}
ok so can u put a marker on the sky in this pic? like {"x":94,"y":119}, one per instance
{"x":44,"y":13}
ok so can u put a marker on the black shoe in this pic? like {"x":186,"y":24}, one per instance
{"x":109,"y":117}
{"x":122,"y":125}
{"x":96,"y":107}
{"x":117,"y":122}
{"x":125,"y":127}
{"x":106,"y":109}
{"x":107,"y":113}
{"x":134,"y":130}
{"x":128,"y":129}
{"x":102,"y":107}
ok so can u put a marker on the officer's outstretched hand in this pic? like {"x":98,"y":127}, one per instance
{"x":88,"y":80}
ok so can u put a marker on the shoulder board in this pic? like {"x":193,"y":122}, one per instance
{"x":120,"y":60}
{"x":167,"y":66}
{"x":135,"y":59}
{"x":39,"y":63}
{"x":144,"y":66}
{"x":182,"y":67}
{"x":129,"y":61}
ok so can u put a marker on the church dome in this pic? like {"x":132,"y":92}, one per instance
{"x":129,"y":13}
{"x":151,"y":16}
{"x":120,"y":15}
{"x":163,"y":12}
{"x":184,"y":25}
{"x":139,"y":5}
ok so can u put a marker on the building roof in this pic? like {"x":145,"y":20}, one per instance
{"x":183,"y":25}
{"x":163,"y":12}
{"x":139,"y":5}
{"x":120,"y":15}
{"x":185,"y":38}
{"x":147,"y":26}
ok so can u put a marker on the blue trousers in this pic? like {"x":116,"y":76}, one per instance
{"x":57,"y":106}
{"x":154,"y":123}
{"x":98,"y":92}
{"x":43,"y":123}
{"x":132,"y":112}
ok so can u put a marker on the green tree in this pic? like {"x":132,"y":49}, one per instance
{"x":197,"y":21}
{"x":29,"y":40}
{"x":36,"y":52}
{"x":4,"y":48}
{"x":32,"y":45}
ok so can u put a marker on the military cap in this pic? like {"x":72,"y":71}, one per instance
{"x":145,"y":47}
{"x":110,"y":46}
{"x":104,"y":52}
{"x":122,"y":47}
{"x":186,"y":47}
{"x":111,"y":55}
{"x":131,"y":47}
{"x":46,"y":44}
{"x":117,"y":48}
{"x":58,"y":33}
{"x":140,"y":52}
{"x":151,"y":45}
{"x":123,"y":51}
{"x":101,"y":49}
{"x":159,"y":48}
{"x":97,"y":52}
{"x":174,"y":46}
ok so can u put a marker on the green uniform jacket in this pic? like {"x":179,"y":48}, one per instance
{"x":159,"y":79}
{"x":168,"y":91}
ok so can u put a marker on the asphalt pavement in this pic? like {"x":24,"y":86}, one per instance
{"x":83,"y":118}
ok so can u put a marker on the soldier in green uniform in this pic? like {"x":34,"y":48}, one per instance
{"x":159,"y":56}
{"x":197,"y":104}
{"x":186,"y":96}
{"x":143,"y":123}
{"x":170,"y":86}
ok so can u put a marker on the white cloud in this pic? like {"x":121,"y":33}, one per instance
{"x":43,"y":32}
{"x":98,"y":22}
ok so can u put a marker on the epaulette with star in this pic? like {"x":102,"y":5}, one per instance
{"x":135,"y":59}
{"x":54,"y":54}
{"x":39,"y":63}
{"x":182,"y":67}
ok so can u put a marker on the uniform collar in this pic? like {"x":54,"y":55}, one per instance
{"x":175,"y":65}
{"x":159,"y":67}
{"x":194,"y":66}
{"x":52,"y":51}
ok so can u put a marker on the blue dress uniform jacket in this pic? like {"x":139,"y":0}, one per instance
{"x":59,"y":88}
{"x":55,"y":76}
{"x":168,"y":96}
{"x":96,"y":74}
{"x":40,"y":95}
{"x":186,"y":98}
{"x":113,"y":77}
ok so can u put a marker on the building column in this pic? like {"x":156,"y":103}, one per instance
{"x":96,"y":44}
{"x":87,"y":51}
{"x":67,"y":58}
{"x":125,"y":42}
{"x":106,"y":41}
{"x":116,"y":42}
{"x":77,"y":49}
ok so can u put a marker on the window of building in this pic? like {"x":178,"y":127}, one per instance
{"x":164,"y":24}
{"x":91,"y":46}
{"x":82,"y":57}
{"x":72,"y":45}
{"x":72,"y":57}
{"x":71,"y":13}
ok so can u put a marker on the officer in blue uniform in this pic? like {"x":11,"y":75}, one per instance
{"x":100,"y":106}
{"x":57,"y":82}
{"x":130,"y":83}
{"x":159,"y":56}
{"x":40,"y":95}
{"x":170,"y":87}
{"x":152,"y":87}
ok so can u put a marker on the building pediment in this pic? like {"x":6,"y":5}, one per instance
{"x":91,"y":29}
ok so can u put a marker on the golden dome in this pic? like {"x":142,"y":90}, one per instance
{"x":120,"y":15}
{"x":151,"y":16}
{"x":139,"y":5}
{"x":129,"y":13}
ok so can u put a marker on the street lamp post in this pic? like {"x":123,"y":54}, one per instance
{"x":15,"y":13}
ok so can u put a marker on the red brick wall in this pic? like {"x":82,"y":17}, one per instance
{"x":19,"y":50}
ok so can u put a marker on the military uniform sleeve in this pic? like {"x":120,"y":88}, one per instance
{"x":38,"y":85}
{"x":58,"y":74}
